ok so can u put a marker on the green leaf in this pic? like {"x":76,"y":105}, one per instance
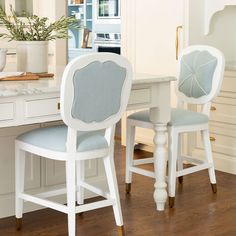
{"x":35,"y":28}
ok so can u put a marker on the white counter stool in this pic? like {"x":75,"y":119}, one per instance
{"x":200,"y":74}
{"x":94,"y":94}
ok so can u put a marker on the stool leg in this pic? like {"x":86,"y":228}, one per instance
{"x":80,"y":178}
{"x":173,"y":150}
{"x":179,"y":160}
{"x":130,"y":135}
{"x":70,"y":183}
{"x":113,"y":187}
{"x":209,"y":159}
{"x":19,"y":184}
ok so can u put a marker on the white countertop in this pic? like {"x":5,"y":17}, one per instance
{"x":51,"y":85}
{"x":17,"y":88}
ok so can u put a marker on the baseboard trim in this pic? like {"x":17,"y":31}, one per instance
{"x":222,"y":162}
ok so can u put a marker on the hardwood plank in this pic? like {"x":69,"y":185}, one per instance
{"x":197,"y":210}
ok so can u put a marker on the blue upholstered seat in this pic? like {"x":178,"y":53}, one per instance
{"x":54,"y":138}
{"x":179,"y":117}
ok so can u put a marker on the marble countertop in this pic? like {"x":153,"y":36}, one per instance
{"x":18,"y":88}
{"x":52,"y":85}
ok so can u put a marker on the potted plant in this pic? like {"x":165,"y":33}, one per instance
{"x":32,"y":36}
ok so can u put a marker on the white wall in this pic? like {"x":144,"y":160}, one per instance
{"x":222,"y":33}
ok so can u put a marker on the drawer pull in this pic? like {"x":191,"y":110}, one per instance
{"x":58,"y":106}
{"x":213,"y":108}
{"x":212,"y":139}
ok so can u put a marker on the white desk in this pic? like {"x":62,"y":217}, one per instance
{"x":32,"y":102}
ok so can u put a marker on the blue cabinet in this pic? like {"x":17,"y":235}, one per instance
{"x":81,"y":40}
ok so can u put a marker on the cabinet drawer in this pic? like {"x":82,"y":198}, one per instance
{"x":42,"y":107}
{"x":7,"y":111}
{"x":140,"y":96}
{"x":229,"y":83}
{"x":223,"y":139}
{"x":224,"y":110}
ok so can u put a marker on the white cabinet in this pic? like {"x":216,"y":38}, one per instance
{"x":148,"y":40}
{"x":212,"y":22}
{"x":149,"y":34}
{"x":223,"y":127}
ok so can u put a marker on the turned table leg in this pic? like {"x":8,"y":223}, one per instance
{"x":160,"y":163}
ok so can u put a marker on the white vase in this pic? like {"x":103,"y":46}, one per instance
{"x":3,"y":54}
{"x":32,"y":56}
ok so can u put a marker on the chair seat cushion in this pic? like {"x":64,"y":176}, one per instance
{"x":179,"y":117}
{"x":54,"y":138}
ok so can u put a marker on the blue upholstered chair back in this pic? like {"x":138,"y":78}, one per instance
{"x":95,"y":91}
{"x":200,"y":74}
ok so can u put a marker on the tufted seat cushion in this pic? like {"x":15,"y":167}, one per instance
{"x":54,"y":138}
{"x":179,"y":117}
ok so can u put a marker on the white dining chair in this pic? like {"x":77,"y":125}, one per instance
{"x":200,"y":74}
{"x":94,"y":94}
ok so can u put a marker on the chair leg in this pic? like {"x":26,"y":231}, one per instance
{"x":179,"y":160}
{"x":80,"y":178}
{"x":130,"y":135}
{"x":114,"y":193}
{"x":173,"y":151}
{"x":209,"y":159}
{"x":70,"y":183}
{"x":19,"y":185}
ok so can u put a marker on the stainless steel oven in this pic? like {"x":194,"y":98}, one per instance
{"x":107,"y":42}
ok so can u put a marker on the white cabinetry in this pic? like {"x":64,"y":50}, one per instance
{"x":223,"y":127}
{"x":212,"y":22}
{"x":148,"y":40}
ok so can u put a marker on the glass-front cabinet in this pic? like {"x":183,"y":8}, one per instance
{"x":80,"y":40}
{"x":108,"y":9}
{"x":20,"y":6}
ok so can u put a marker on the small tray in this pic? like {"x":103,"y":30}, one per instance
{"x":27,"y":76}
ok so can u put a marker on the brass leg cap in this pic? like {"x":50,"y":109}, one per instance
{"x":18,"y":223}
{"x":181,"y":179}
{"x":128,"y":188}
{"x":121,"y":230}
{"x":171,"y":202}
{"x":214,"y":188}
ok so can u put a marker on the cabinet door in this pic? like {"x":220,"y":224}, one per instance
{"x":149,"y":34}
{"x":7,"y":161}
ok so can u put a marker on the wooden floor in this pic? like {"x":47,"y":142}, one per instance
{"x":197,"y":211}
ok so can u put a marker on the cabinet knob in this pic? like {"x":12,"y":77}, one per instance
{"x":212,"y":139}
{"x":213,"y":108}
{"x":58,"y":106}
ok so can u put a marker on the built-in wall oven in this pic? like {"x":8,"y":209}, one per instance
{"x":107,"y":42}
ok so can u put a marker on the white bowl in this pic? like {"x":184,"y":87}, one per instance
{"x":3,"y":54}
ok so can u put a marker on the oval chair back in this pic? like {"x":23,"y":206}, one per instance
{"x":95,"y":91}
{"x":200,"y":75}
